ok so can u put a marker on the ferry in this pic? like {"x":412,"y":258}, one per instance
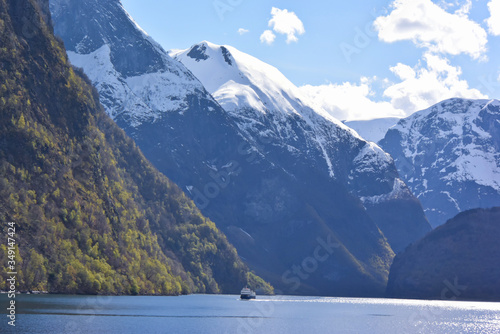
{"x":246,"y":293}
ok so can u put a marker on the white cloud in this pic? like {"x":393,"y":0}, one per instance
{"x":430,"y":26}
{"x":465,"y":9}
{"x":267,"y":37}
{"x":431,"y":81}
{"x":350,"y":101}
{"x":243,"y":31}
{"x":494,"y":20}
{"x":423,"y":86}
{"x":286,"y":23}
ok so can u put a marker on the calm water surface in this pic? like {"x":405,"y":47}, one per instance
{"x":227,"y":314}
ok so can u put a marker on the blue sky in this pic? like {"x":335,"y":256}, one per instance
{"x":360,"y":59}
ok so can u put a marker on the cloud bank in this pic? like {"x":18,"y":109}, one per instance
{"x":494,"y":20}
{"x":429,"y":26}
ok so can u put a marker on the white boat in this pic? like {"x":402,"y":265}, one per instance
{"x":246,"y":293}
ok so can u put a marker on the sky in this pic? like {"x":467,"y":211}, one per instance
{"x":359,"y":59}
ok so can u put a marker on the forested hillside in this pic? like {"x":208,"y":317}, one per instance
{"x":457,"y":260}
{"x":92,"y":214}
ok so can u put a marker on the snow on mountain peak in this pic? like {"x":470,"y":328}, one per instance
{"x":449,"y":154}
{"x":240,"y":81}
{"x":264,"y":103}
{"x":237,"y":75}
{"x":136,"y":78}
{"x":453,"y":117}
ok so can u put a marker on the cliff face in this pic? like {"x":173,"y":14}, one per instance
{"x":92,"y":215}
{"x":449,"y":156}
{"x":458,"y":260}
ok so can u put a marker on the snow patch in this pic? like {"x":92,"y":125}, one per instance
{"x":452,"y":121}
{"x":452,"y":200}
{"x":145,"y":97}
{"x":372,"y":159}
{"x":399,"y":190}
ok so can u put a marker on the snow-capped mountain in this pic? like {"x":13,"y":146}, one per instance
{"x":449,"y":155}
{"x":264,"y":103}
{"x":373,"y":130}
{"x":135,"y":88}
{"x":279,"y":181}
{"x":302,"y":137}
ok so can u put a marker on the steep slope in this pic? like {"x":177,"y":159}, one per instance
{"x":92,"y":215}
{"x":136,"y":79}
{"x":303,"y":138}
{"x":373,"y":130}
{"x":458,"y":260}
{"x":274,"y":215}
{"x":449,"y":155}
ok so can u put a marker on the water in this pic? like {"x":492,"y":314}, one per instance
{"x":227,"y":314}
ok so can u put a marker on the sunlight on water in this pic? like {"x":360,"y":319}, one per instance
{"x":227,"y":314}
{"x":443,"y":304}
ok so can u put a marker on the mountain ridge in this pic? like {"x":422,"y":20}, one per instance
{"x":456,"y":261}
{"x":266,"y":105}
{"x":244,"y":183}
{"x":449,"y":155}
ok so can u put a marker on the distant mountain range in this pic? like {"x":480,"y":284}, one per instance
{"x":458,"y":260}
{"x":91,"y":214}
{"x":276,"y":173}
{"x":449,"y":155}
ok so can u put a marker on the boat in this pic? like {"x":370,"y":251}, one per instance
{"x":246,"y":293}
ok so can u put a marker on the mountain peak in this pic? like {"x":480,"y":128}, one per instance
{"x":269,"y":108}
{"x":238,"y":80}
{"x":449,"y":155}
{"x":204,"y":51}
{"x":133,"y":52}
{"x":141,"y":82}
{"x":227,"y":55}
{"x":198,"y":52}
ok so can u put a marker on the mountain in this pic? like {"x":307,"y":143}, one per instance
{"x":458,"y":260}
{"x":373,"y":130}
{"x":137,"y":81}
{"x":91,"y":214}
{"x":304,"y":199}
{"x":303,"y":138}
{"x":449,"y":155}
